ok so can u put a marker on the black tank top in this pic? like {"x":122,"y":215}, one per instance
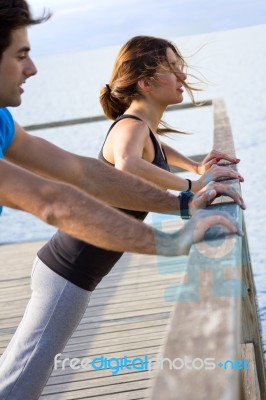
{"x":81,"y":263}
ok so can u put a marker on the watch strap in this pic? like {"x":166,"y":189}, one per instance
{"x":184,"y":208}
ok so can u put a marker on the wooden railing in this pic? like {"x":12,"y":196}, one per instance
{"x":213,"y":345}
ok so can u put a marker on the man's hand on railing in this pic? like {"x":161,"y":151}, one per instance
{"x":216,"y":173}
{"x":196,"y":229}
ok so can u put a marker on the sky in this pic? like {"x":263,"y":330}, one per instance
{"x":85,"y":24}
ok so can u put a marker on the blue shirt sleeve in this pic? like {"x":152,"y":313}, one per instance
{"x":7,"y":133}
{"x":7,"y":130}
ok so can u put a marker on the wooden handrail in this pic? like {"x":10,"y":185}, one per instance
{"x":215,"y":312}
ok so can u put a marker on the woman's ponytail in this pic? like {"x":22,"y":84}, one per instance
{"x":112,"y":106}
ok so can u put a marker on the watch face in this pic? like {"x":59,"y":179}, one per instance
{"x":187,"y":194}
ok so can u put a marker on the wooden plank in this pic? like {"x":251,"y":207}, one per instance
{"x":84,"y":378}
{"x":249,"y":376}
{"x":136,"y":394}
{"x":99,"y":334}
{"x":94,"y":393}
{"x":100,"y":385}
{"x":251,"y":328}
{"x":222,"y":132}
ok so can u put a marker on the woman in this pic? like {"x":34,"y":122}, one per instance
{"x":148,"y":76}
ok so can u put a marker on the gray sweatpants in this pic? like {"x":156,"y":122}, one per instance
{"x":52,"y":314}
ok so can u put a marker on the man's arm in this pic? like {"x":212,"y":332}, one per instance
{"x":89,"y":220}
{"x":89,"y":174}
{"x":73,"y":211}
{"x":96,"y":178}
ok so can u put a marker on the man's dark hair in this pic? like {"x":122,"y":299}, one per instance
{"x":15,"y":14}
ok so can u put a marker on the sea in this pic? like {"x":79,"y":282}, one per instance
{"x":233,"y":63}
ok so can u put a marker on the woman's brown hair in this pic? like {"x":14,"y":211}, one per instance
{"x":139,"y":58}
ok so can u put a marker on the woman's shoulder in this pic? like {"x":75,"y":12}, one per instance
{"x":131,"y":125}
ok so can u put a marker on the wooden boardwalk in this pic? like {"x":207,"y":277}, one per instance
{"x":127,"y":315}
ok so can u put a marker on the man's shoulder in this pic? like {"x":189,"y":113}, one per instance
{"x":6,"y":117}
{"x":7,"y":129}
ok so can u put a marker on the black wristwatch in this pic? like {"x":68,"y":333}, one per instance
{"x":184,"y":208}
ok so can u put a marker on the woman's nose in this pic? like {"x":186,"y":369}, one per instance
{"x":181,"y":75}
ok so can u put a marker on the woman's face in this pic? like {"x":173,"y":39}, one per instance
{"x":167,"y":87}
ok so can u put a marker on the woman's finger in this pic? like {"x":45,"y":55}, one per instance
{"x":219,"y":156}
{"x":217,"y":171}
